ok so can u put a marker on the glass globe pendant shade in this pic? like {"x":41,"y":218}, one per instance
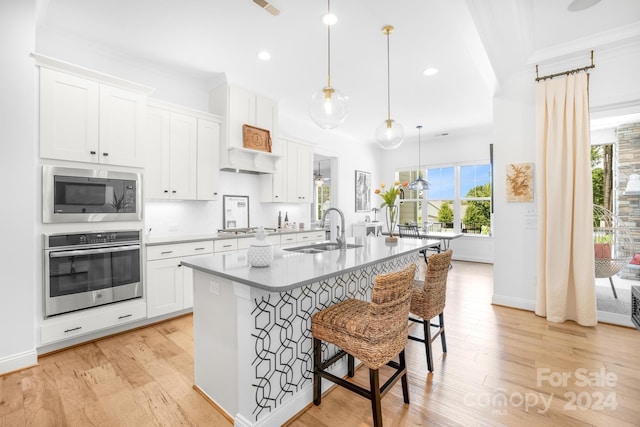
{"x":389,"y":134}
{"x":328,"y":108}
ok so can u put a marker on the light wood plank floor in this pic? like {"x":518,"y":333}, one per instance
{"x":504,"y":367}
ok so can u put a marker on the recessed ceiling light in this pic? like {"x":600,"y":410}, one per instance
{"x":578,"y":5}
{"x":264,"y":55}
{"x":329,"y":19}
{"x":430,"y":71}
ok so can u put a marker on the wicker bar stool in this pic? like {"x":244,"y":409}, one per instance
{"x":428,"y":300}
{"x":375,"y":332}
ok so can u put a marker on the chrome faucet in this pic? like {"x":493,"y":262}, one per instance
{"x":341,"y":239}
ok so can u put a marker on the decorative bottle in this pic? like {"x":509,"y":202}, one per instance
{"x":279,"y":220}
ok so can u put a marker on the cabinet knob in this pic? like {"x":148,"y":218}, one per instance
{"x":166,"y":191}
{"x":92,"y":152}
{"x":105,"y":154}
{"x":173,"y":191}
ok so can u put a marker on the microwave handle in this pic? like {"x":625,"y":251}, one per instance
{"x":82,"y":252}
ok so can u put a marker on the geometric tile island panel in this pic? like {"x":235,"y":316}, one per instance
{"x":283,"y":358}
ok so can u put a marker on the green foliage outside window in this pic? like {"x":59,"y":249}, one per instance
{"x":445,"y":213}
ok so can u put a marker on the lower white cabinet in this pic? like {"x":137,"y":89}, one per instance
{"x":311,"y":236}
{"x":86,"y":321}
{"x":169,"y":284}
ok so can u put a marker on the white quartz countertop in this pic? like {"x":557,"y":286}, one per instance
{"x":290,"y":270}
{"x":152,"y":240}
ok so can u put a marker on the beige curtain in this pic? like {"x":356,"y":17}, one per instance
{"x":565,"y":269}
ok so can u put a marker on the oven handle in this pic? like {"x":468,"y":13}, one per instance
{"x":82,"y":252}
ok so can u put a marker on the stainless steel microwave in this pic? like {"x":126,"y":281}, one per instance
{"x":90,"y":195}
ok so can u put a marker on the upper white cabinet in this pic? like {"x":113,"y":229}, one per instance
{"x":239,"y":106}
{"x":299,"y":172}
{"x":183,"y":151}
{"x":293,"y":183}
{"x":90,"y":117}
{"x":208,"y":169}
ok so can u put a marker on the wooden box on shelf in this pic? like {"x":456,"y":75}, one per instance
{"x":255,"y":138}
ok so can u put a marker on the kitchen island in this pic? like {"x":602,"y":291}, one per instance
{"x":253,"y":352}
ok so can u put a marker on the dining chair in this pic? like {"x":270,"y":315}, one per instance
{"x":411,"y":231}
{"x":374,"y":332}
{"x":428,"y":300}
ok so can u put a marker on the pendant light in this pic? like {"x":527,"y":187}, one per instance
{"x":318,"y":179}
{"x":390,"y":133}
{"x":419,"y":184}
{"x":328,"y":107}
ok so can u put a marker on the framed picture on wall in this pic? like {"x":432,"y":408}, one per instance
{"x":363,"y":191}
{"x":235,"y":211}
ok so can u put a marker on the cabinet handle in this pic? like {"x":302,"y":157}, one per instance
{"x":92,"y":152}
{"x":166,"y":191}
{"x":166,"y":252}
{"x":215,"y":194}
{"x":227,"y":246}
{"x":125,"y":316}
{"x":105,"y":154}
{"x":179,"y":265}
{"x":199,"y":249}
{"x":77,"y":328}
{"x":173,"y":191}
{"x":277,"y":197}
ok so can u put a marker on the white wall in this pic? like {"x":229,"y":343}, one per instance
{"x":18,"y":172}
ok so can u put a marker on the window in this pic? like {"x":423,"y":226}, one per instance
{"x":323,"y":196}
{"x":458,"y":198}
{"x":475,"y":197}
{"x":441,"y":198}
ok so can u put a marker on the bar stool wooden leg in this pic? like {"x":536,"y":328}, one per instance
{"x":376,"y":407}
{"x":317,"y":379}
{"x":427,"y":343}
{"x":444,"y":341}
{"x":405,"y":382}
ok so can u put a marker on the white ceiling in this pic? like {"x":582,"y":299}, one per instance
{"x":475,"y":44}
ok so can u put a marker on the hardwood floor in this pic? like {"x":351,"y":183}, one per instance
{"x":503,"y":367}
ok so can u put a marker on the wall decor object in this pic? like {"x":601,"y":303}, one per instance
{"x":520,"y":182}
{"x":235,"y":211}
{"x":363,"y":191}
{"x":256,"y":139}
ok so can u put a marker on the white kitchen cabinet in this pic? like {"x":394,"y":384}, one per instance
{"x":183,"y":154}
{"x":294,"y":182}
{"x":169,"y":284}
{"x":299,"y":172}
{"x":239,"y":106}
{"x":208,"y":168}
{"x":83,"y":119}
{"x":83,"y":322}
{"x":311,"y":236}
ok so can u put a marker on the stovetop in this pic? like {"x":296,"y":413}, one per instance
{"x":248,"y":230}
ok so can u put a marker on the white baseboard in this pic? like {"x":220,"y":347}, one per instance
{"x":18,"y":361}
{"x":615,"y":319}
{"x":482,"y":260}
{"x":523,"y":304}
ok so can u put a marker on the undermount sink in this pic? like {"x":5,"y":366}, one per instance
{"x":319,"y":248}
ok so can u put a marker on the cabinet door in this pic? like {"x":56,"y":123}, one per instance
{"x":304,"y":177}
{"x":208,"y":175}
{"x":121,"y":127}
{"x":157,"y":141}
{"x":183,"y":156}
{"x":69,"y":111}
{"x":165,"y":286}
{"x":299,"y":173}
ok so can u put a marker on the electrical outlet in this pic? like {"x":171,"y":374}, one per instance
{"x":214,"y":287}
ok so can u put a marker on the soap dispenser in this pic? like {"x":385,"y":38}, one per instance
{"x":260,"y":250}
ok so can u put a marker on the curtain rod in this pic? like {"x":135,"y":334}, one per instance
{"x":576,"y":70}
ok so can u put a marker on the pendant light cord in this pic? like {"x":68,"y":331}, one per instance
{"x":388,"y":81}
{"x":419,"y":153}
{"x":328,"y":46}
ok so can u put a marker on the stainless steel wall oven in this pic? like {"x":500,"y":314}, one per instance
{"x":83,"y":270}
